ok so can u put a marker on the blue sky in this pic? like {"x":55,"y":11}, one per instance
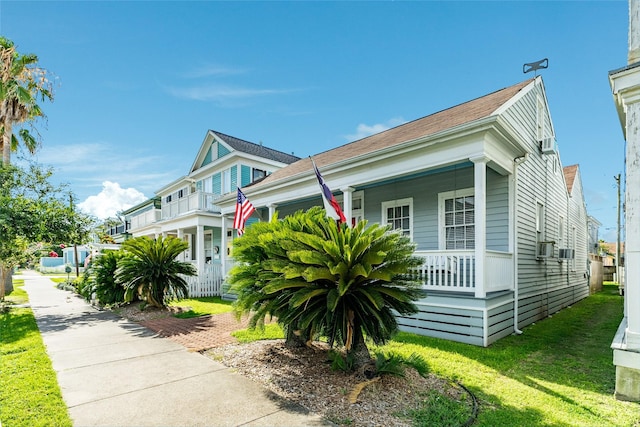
{"x":141,"y":82}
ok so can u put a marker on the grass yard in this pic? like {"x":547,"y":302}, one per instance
{"x":559,"y":372}
{"x":202,"y":306}
{"x":29,"y":389}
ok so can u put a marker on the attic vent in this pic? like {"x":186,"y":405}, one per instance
{"x":548,"y":145}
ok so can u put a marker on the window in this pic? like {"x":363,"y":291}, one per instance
{"x":561,"y":232}
{"x":457,"y":219}
{"x":226,"y":181}
{"x":258,"y":174}
{"x":539,"y":222}
{"x":357,"y":208}
{"x":573,"y":246}
{"x":168,"y":198}
{"x":399,"y":214}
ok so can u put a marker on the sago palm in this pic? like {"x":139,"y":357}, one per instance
{"x":320,"y":278}
{"x":151,"y":270}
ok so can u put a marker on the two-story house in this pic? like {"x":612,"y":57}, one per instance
{"x":187,"y":207}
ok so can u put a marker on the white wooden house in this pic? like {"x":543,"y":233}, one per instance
{"x":187,"y":207}
{"x":480,"y":189}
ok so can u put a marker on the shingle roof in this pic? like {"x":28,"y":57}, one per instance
{"x":256,"y":149}
{"x":570,"y":176}
{"x":458,"y":115}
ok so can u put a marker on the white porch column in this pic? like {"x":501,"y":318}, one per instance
{"x":480,"y":194}
{"x":625,"y":84}
{"x":181,"y":237}
{"x":223,"y":246}
{"x":347,"y":201}
{"x":632,"y":227}
{"x":200,"y":250}
{"x":272,"y":210}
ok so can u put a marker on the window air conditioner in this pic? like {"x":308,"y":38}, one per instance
{"x":548,"y":145}
{"x":545,"y":249}
{"x":566,"y":253}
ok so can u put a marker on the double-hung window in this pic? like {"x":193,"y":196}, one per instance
{"x":399,"y":214}
{"x":457,"y":219}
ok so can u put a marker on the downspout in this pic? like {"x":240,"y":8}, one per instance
{"x":517,"y":161}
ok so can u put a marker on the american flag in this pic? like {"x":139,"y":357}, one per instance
{"x":244,"y":209}
{"x":331,"y":205}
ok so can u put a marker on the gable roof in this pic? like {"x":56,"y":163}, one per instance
{"x":570,"y":173}
{"x":255,"y":149}
{"x":461,"y":114}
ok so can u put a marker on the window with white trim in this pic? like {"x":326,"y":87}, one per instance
{"x":573,"y":246}
{"x":226,"y":181}
{"x":561,"y":232}
{"x":399,"y":214}
{"x":457,"y":219}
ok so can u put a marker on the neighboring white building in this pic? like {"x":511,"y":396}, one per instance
{"x":187,"y":207}
{"x":480,"y":189}
{"x":625,"y":84}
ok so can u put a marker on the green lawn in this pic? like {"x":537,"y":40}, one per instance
{"x":559,"y":372}
{"x":29,"y":389}
{"x":18,"y":295}
{"x":202,"y":306}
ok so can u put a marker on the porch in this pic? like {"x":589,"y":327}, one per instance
{"x":443,"y":271}
{"x":457,"y":271}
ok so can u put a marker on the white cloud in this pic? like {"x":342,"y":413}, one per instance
{"x":364,"y":130}
{"x":219,"y":93}
{"x":212,"y":70}
{"x":111,"y":200}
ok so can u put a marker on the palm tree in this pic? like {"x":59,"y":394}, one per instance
{"x":320,"y":278}
{"x":150,"y":269}
{"x":22,"y":84}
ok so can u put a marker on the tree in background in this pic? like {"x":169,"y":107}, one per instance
{"x":320,"y":278}
{"x":22,"y":85}
{"x":33,"y":210}
{"x":150,"y":269}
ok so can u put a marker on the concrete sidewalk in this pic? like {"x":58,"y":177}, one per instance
{"x":113,"y":372}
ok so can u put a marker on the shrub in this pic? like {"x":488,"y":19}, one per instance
{"x":317,"y":277}
{"x":150,"y":269}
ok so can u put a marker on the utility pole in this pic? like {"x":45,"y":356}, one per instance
{"x":617,"y":178}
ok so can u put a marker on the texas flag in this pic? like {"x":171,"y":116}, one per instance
{"x":330,"y":203}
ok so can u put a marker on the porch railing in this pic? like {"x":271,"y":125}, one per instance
{"x":198,"y":201}
{"x":456,"y":271}
{"x":208,"y":282}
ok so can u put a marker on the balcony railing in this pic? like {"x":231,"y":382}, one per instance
{"x":456,"y":271}
{"x":145,"y":218}
{"x":198,"y":201}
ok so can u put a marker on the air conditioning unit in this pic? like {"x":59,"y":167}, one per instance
{"x":548,"y":145}
{"x":545,"y":249}
{"x":566,"y":253}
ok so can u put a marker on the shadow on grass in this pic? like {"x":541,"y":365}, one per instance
{"x":15,"y":325}
{"x":566,"y":357}
{"x":571,"y":348}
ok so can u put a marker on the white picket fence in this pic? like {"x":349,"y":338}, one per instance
{"x":208,"y":283}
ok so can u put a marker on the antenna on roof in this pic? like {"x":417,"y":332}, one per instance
{"x":535,"y":66}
